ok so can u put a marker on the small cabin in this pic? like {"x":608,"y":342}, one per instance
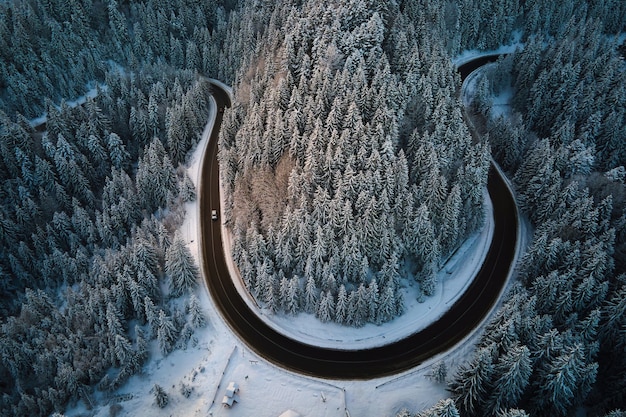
{"x":231,"y":397}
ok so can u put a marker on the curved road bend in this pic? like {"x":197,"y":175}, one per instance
{"x":390,"y":359}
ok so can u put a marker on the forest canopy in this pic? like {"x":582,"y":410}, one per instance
{"x":347,"y":163}
{"x":348,"y":167}
{"x":557,"y":343}
{"x":92,"y":272}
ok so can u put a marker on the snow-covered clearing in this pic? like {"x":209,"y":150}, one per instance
{"x":219,"y":357}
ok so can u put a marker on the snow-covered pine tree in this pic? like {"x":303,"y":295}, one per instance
{"x":514,"y":369}
{"x":616,"y":413}
{"x":180,"y":267}
{"x":156,"y":178}
{"x":614,"y":312}
{"x":443,"y":408}
{"x":439,"y":372}
{"x":374,"y":315}
{"x":326,"y":308}
{"x":293,"y":296}
{"x":117,"y":151}
{"x":152,"y":315}
{"x":310,"y":295}
{"x":283,"y":292}
{"x":196,"y":315}
{"x":472,"y":382}
{"x":187,"y":189}
{"x":360,"y":305}
{"x":341,"y":307}
{"x":137,"y":296}
{"x":160,"y":396}
{"x":114,"y":321}
{"x":166,"y":333}
{"x":387,"y":304}
{"x":176,"y":141}
{"x":513,"y":412}
{"x":141,"y":345}
{"x":124,"y":352}
{"x":564,"y":382}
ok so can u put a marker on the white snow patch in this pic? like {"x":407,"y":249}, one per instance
{"x":91,"y":93}
{"x":470,"y":54}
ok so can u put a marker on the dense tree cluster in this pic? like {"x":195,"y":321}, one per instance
{"x":57,"y":49}
{"x":90,"y":267}
{"x":347,"y":162}
{"x":557,"y":343}
{"x":585,"y":114}
{"x":488,"y":24}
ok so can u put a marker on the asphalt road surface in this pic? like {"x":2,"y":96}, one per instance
{"x":390,"y":359}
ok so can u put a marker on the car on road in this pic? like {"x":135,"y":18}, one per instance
{"x":214,"y":215}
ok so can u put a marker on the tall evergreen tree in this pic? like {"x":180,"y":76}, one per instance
{"x":473,"y":382}
{"x":310,"y":295}
{"x":514,"y":369}
{"x":196,"y":315}
{"x":180,"y":267}
{"x":166,"y":333}
{"x":160,"y":396}
{"x":443,"y":408}
{"x":326,"y":308}
{"x":565,"y":382}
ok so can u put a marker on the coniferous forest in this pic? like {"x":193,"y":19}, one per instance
{"x":91,"y":269}
{"x":348,"y":163}
{"x":349,"y":167}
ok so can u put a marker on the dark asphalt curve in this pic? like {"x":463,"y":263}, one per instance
{"x":390,"y":359}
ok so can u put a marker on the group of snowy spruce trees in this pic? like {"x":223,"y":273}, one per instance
{"x":93,"y":276}
{"x":557,"y":343}
{"x":347,"y":165}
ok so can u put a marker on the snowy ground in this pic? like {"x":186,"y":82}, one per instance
{"x":219,"y":357}
{"x":471,"y":54}
{"x":91,"y":93}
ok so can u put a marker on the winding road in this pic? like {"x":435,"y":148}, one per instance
{"x":451,"y":328}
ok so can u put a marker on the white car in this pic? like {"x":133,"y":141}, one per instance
{"x":213,"y":214}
